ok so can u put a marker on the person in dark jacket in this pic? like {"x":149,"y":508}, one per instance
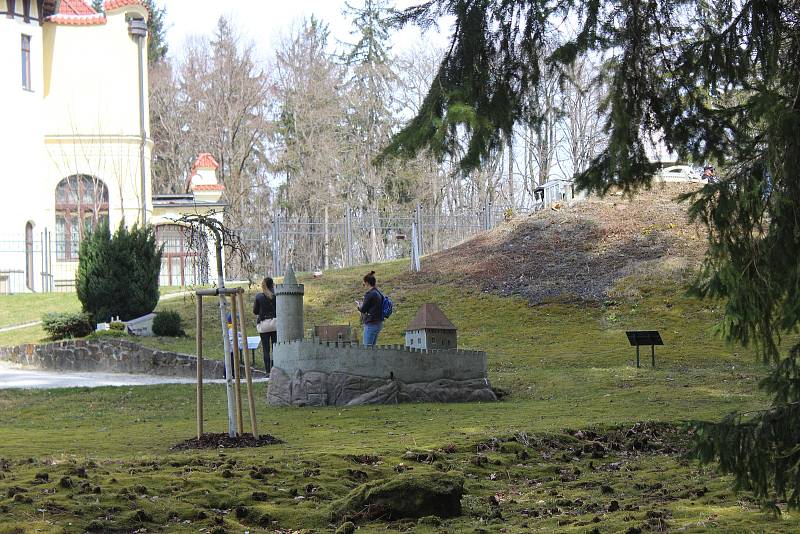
{"x":264,"y":308}
{"x":371,"y":310}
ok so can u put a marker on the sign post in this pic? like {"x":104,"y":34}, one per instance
{"x":638,"y":338}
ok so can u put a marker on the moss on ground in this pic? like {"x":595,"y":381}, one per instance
{"x":562,"y":453}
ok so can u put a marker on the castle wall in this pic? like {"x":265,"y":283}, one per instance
{"x":386,"y":362}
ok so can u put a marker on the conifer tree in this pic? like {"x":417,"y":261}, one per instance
{"x":721,"y":82}
{"x":118,"y":274}
{"x":370,"y":89}
{"x":156,"y":33}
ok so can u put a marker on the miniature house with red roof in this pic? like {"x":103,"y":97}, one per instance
{"x":430,"y":329}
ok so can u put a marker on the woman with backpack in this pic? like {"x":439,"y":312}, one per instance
{"x":371,"y":310}
{"x":265,"y":311}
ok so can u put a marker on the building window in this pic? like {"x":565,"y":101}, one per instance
{"x":81,"y":205}
{"x":26,"y":62}
{"x":180,"y":259}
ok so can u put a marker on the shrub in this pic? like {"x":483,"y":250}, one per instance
{"x":105,"y":334}
{"x":118,"y":275}
{"x":67,"y":325}
{"x":117,"y":325}
{"x":167,"y":323}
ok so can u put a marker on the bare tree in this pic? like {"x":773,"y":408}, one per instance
{"x":174,"y":130}
{"x":581,"y":122}
{"x":309,"y":140}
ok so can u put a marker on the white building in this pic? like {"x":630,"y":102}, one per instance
{"x":75,"y":135}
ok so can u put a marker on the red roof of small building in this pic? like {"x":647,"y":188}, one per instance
{"x":430,"y":317}
{"x":206,"y":161}
{"x":208,"y":187}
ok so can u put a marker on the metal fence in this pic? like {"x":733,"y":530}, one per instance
{"x":358,"y":235}
{"x":340,"y":236}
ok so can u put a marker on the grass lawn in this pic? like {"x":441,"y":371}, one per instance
{"x":101,"y":459}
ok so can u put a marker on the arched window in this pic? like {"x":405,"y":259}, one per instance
{"x":29,"y":255}
{"x":181,"y":260}
{"x":81,"y":204}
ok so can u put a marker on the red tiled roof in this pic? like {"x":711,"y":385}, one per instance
{"x":78,"y":20}
{"x":76,"y":13}
{"x":114,"y":4}
{"x":74,"y":7}
{"x":430,"y":316}
{"x":206,"y":160}
{"x":208,"y":187}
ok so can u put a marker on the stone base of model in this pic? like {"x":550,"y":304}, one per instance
{"x":315,"y":388}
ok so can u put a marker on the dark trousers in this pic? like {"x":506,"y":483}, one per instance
{"x":267,"y":339}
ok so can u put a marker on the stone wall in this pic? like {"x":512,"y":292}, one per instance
{"x":110,"y":356}
{"x":311,"y":373}
{"x":312,"y":388}
{"x":386,"y":362}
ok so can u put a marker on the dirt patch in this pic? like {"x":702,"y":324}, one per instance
{"x":224,"y":441}
{"x":576,"y":253}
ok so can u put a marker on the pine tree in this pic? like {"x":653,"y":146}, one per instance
{"x":156,"y":33}
{"x":721,"y":81}
{"x":370,"y":88}
{"x":118,"y":275}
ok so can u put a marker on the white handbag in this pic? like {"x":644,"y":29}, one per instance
{"x":267,"y":325}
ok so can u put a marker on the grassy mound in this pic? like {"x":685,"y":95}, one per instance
{"x":407,"y":495}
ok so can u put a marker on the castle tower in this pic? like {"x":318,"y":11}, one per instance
{"x":289,"y":304}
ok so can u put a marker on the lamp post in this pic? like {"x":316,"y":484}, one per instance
{"x":137,"y":28}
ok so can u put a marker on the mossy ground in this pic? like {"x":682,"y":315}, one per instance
{"x":565,"y":367}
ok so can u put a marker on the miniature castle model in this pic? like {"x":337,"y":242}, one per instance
{"x":311,"y":372}
{"x":431,"y":329}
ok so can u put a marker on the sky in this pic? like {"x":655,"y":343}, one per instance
{"x":265,"y":21}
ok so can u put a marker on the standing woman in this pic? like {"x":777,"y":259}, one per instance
{"x":266,"y":324}
{"x":371,"y":310}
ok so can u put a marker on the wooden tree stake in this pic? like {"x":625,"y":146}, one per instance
{"x":199,"y":338}
{"x":248,"y":357}
{"x":235,"y":342}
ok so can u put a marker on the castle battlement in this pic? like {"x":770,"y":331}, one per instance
{"x":394,"y":347}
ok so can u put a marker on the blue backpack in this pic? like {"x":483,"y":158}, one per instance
{"x":386,"y":307}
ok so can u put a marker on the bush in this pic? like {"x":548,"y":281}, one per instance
{"x":117,"y":325}
{"x":118,"y":275}
{"x":105,"y":334}
{"x":67,"y":325}
{"x":167,"y":323}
